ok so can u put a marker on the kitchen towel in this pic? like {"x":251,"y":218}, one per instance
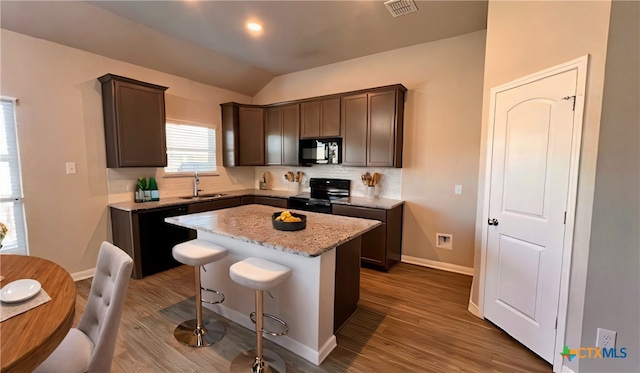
{"x":8,"y":310}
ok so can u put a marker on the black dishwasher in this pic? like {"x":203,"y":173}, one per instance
{"x":157,"y":238}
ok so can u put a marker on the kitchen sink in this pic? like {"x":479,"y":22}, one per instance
{"x":204,"y":196}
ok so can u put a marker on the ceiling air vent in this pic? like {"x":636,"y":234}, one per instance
{"x":401,"y":7}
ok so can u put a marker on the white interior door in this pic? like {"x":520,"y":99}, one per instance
{"x":530,"y":166}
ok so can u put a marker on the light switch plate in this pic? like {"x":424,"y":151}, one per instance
{"x":71,"y":168}
{"x":458,"y":189}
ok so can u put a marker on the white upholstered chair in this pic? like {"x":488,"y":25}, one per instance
{"x":89,"y":348}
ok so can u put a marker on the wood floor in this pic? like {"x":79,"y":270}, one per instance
{"x":413,"y":319}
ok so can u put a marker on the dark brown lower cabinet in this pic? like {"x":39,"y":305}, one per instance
{"x":382,"y":246}
{"x":347,"y":282}
{"x":148,"y":239}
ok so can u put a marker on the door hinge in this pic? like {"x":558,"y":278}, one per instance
{"x":565,"y":218}
{"x":574,"y":101}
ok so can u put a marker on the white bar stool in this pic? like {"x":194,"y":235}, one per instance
{"x":260,"y":275}
{"x":198,"y":332}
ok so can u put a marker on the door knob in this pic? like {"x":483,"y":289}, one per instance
{"x":493,"y":222}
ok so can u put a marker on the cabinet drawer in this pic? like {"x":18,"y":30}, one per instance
{"x":214,"y":205}
{"x":247,"y":200}
{"x":270,"y":201}
{"x":360,"y":212}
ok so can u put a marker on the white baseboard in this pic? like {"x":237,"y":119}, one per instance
{"x":83,"y":274}
{"x":437,"y":265}
{"x":566,"y":369}
{"x":326,"y":349}
{"x":474,"y":309}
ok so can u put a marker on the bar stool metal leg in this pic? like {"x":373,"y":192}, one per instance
{"x":259,"y":360}
{"x":199,"y":332}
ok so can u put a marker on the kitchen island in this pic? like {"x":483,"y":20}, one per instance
{"x":324,"y":288}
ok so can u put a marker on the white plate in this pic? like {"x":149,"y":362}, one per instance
{"x":19,"y":290}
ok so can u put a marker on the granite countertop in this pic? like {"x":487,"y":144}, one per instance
{"x":378,"y":203}
{"x":252,"y":223}
{"x":173,"y":201}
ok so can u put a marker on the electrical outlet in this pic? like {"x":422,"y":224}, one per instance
{"x":457,"y":189}
{"x":444,"y":241}
{"x":71,"y":168}
{"x":606,"y":338}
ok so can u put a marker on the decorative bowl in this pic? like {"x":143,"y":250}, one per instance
{"x":289,"y":226}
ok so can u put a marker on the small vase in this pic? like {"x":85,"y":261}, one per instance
{"x":370,"y":193}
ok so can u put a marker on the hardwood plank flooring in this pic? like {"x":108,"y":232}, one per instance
{"x":412,"y":319}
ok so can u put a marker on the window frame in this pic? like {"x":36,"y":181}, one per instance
{"x":19,"y":217}
{"x":177,"y":174}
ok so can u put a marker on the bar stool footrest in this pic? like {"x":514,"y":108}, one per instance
{"x":222,"y":298}
{"x":252,"y":316}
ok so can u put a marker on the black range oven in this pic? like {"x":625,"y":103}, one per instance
{"x":323,"y":191}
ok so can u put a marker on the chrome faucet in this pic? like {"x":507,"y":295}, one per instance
{"x":196,"y":182}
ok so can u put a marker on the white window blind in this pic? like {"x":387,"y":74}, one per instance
{"x":190,"y":148}
{"x":11,"y":208}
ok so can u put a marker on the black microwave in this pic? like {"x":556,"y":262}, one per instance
{"x":320,"y":151}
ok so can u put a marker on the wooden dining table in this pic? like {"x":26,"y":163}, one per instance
{"x":27,"y":339}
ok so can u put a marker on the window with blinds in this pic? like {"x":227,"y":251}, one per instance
{"x":190,"y":148}
{"x":11,"y":208}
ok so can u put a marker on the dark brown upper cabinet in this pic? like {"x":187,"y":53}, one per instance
{"x":372,"y":126}
{"x":134,"y":122}
{"x":282,"y":135}
{"x":369,"y":121}
{"x":242,"y":135}
{"x":320,"y":118}
{"x":354,"y":130}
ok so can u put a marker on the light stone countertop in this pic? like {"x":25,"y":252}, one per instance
{"x":378,"y":203}
{"x":252,"y":223}
{"x":173,"y":201}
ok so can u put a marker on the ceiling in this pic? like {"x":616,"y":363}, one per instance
{"x":206,"y":41}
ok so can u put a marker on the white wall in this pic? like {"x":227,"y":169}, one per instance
{"x":60,"y":120}
{"x":442,"y":131}
{"x":524,"y":37}
{"x":612,"y":299}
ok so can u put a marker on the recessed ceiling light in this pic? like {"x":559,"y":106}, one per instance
{"x":254,"y":26}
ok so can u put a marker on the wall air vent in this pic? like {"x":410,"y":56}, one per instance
{"x":401,"y":7}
